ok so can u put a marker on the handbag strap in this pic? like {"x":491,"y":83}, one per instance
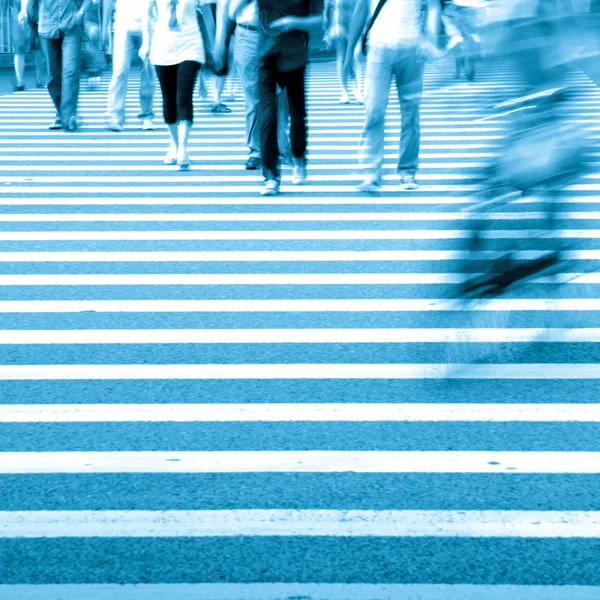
{"x":371,"y":22}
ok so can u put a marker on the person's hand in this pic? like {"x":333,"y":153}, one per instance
{"x":285,"y":24}
{"x":79,"y":15}
{"x":349,"y":66}
{"x":22,"y":17}
{"x":429,"y":50}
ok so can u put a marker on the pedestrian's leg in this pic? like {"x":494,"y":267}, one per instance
{"x":186,"y":80}
{"x":71,"y":52}
{"x":147,"y":89}
{"x":377,"y":92}
{"x":359,"y":74}
{"x":283,"y":119}
{"x":20,"y":38}
{"x":267,"y":90}
{"x":247,"y":66}
{"x":409,"y":81}
{"x":40,"y":68}
{"x":53,"y":50}
{"x":167,"y":78}
{"x":341,"y":47}
{"x":123,"y":48}
{"x":19,"y":62}
{"x":294,"y":83}
{"x":96,"y":56}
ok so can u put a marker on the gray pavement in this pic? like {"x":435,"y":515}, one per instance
{"x":209,"y":394}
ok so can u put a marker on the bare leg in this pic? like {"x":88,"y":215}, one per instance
{"x":40,"y":68}
{"x":19,"y":61}
{"x":341,"y":46}
{"x":184,"y":129}
{"x":174,"y":134}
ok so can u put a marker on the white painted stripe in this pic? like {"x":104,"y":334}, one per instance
{"x":287,"y":235}
{"x":307,"y":461}
{"x":299,"y":336}
{"x":190,"y":177}
{"x":282,"y":256}
{"x":282,"y":412}
{"x":158,"y":166}
{"x":284,"y":217}
{"x":112,"y":372}
{"x":231,"y":158}
{"x":50,"y":144}
{"x":283,"y":235}
{"x":306,"y":591}
{"x":278,"y":306}
{"x":335,"y":523}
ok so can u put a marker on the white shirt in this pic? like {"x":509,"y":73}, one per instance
{"x":174,"y":47}
{"x":129,"y":13}
{"x":398,"y":23}
{"x":247,"y":14}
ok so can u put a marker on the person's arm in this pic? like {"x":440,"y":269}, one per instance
{"x":106,"y":20}
{"x":84,"y":6}
{"x":221,"y":32}
{"x":25,"y":8}
{"x":434,"y":14}
{"x":147,"y":16}
{"x":360,"y":14}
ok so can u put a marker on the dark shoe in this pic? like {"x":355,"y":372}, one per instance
{"x":220,"y":108}
{"x":19,"y":88}
{"x":56,"y":125}
{"x":253,"y":163}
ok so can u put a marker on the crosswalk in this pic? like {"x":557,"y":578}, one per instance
{"x":206,"y":394}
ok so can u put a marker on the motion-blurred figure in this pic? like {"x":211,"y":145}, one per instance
{"x":126,"y":43}
{"x":463,"y":21}
{"x":25,"y":39}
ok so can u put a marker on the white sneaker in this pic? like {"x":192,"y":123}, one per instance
{"x":171,"y":156}
{"x":370,"y":185}
{"x":270,"y":188}
{"x":407,"y":182}
{"x":148,"y":125}
{"x":344,"y":98}
{"x":115,"y":126}
{"x":299,"y":171}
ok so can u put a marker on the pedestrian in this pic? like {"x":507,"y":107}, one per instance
{"x":127,"y":42}
{"x":172,"y":41}
{"x":338,"y":15}
{"x":283,"y":58}
{"x":400,"y":34}
{"x":25,"y":39}
{"x":95,"y":61}
{"x":246,"y":17}
{"x":209,"y":14}
{"x":61,"y":29}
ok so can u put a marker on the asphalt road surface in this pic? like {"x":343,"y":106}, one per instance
{"x":206,"y":394}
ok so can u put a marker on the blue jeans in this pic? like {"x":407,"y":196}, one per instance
{"x":125,"y":45}
{"x":245,"y":42}
{"x":64,"y":61}
{"x":406,"y":66}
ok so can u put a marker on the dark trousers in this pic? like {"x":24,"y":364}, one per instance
{"x":177,"y":86}
{"x":293,"y":81}
{"x":63,"y":55}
